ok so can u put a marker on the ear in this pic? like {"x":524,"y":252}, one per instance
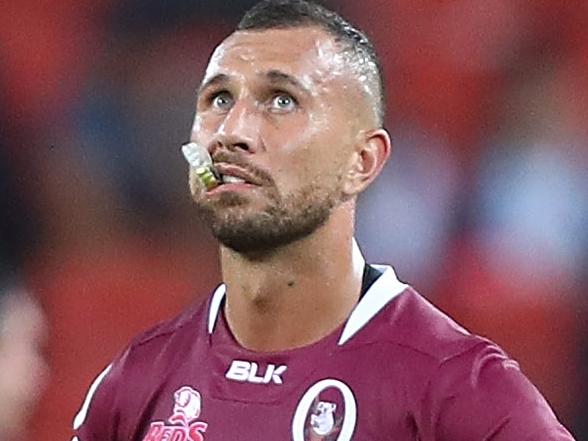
{"x":372,"y":151}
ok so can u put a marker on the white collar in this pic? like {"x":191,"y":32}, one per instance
{"x":383,"y":290}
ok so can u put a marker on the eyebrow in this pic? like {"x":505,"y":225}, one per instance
{"x":276,"y":77}
{"x":215,"y":80}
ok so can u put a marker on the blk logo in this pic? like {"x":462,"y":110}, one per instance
{"x":249,"y":372}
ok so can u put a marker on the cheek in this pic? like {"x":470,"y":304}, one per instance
{"x":297,"y":170}
{"x":204,"y":128}
{"x":197,"y":124}
{"x":293,"y":132}
{"x":313,"y":157}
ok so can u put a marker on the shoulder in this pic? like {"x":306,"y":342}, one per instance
{"x":171,"y":336}
{"x":393,"y":313}
{"x":414,"y":322}
{"x":152,"y":350}
{"x":140,"y":366}
{"x":189,"y":320}
{"x":461,"y":386}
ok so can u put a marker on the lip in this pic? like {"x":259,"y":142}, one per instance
{"x":238,"y":172}
{"x":236,"y":187}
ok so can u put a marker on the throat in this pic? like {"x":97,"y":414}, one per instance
{"x":294,"y":314}
{"x":294,"y":297}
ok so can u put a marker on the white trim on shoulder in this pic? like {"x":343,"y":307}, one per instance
{"x":83,"y":413}
{"x":384,"y":289}
{"x":215,"y":304}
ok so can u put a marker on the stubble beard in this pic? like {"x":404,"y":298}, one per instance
{"x":284,"y":220}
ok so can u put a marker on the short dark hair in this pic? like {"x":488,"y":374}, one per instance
{"x":276,"y":14}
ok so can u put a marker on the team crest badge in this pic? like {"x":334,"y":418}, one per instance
{"x":183,"y":424}
{"x":324,"y":424}
{"x":326,"y":412}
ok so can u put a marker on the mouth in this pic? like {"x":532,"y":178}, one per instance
{"x":232,"y":174}
{"x":233,"y":178}
{"x":236,"y":187}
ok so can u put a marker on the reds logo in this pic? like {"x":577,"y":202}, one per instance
{"x":182,"y":427}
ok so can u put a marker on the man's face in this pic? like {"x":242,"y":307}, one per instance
{"x":275,"y":107}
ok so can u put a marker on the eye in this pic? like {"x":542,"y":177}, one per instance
{"x":283,"y":102}
{"x":222,"y":100}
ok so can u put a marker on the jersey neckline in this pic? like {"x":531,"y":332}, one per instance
{"x":383,"y":290}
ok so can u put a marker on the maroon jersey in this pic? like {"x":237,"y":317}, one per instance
{"x":397,"y":370}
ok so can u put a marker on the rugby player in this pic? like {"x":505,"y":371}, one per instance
{"x":303,"y":340}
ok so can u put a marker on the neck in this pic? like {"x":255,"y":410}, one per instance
{"x":299,"y":293}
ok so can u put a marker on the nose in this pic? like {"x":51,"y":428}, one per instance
{"x":239,"y":130}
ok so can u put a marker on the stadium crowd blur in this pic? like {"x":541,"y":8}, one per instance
{"x":483,"y":208}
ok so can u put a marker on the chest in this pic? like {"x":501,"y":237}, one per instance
{"x":226,"y":396}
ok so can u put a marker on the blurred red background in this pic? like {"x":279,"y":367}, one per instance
{"x":483,"y":207}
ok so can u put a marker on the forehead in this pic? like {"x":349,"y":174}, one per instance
{"x":309,"y":53}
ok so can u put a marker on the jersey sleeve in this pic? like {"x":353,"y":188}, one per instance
{"x":97,"y":418}
{"x":482,"y":395}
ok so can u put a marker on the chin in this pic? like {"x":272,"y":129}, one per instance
{"x":253,"y":248}
{"x":252,"y":228}
{"x":265,"y":236}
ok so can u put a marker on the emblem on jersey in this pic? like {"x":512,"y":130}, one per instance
{"x":249,"y":372}
{"x":322,"y":420}
{"x":326,"y":412}
{"x":183,"y":424}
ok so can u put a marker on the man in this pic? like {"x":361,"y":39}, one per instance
{"x":304,"y":341}
{"x":23,"y":371}
{"x":23,"y":325}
